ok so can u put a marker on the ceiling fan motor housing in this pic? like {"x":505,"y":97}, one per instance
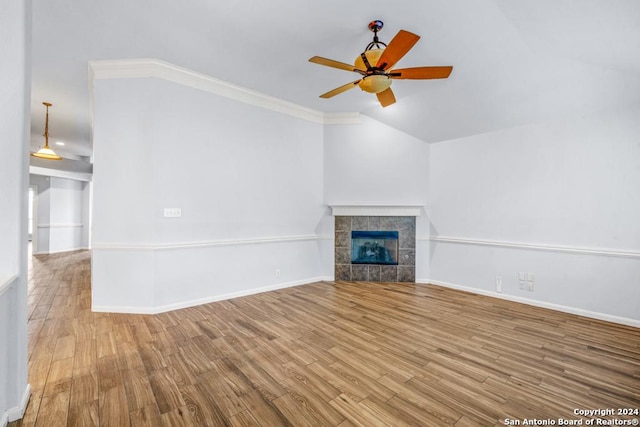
{"x":374,"y":82}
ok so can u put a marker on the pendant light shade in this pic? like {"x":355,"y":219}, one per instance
{"x":46,"y":152}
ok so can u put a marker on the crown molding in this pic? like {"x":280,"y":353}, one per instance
{"x":149,"y":67}
{"x":342,"y":118}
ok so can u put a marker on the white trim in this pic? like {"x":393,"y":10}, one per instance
{"x":6,"y":282}
{"x":342,"y":118}
{"x":56,"y":173}
{"x":207,"y":300}
{"x":34,"y":216}
{"x":149,"y":67}
{"x":375,"y":210}
{"x":60,"y":225}
{"x":556,"y":307}
{"x":61,"y":251}
{"x":17,"y":412}
{"x":539,"y":247}
{"x":203,"y":244}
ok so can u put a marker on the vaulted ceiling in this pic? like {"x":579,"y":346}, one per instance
{"x":515,"y":62}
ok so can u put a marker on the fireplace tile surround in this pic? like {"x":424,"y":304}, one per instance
{"x":403,"y":272}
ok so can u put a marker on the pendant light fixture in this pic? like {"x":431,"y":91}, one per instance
{"x":46,"y":152}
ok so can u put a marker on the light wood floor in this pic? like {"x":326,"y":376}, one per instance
{"x":326,"y":354}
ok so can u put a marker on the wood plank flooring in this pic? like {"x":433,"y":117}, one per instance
{"x":326,"y":354}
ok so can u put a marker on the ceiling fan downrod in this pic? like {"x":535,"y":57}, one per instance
{"x":375,"y":26}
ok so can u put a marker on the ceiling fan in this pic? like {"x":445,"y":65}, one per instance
{"x":375,"y":66}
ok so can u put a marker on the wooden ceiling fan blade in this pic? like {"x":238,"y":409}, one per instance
{"x":340,"y":89}
{"x":421,"y":73}
{"x":397,"y":48}
{"x":386,"y":97}
{"x":336,"y":64}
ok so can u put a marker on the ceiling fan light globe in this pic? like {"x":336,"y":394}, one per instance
{"x":46,"y":153}
{"x":372,"y":56}
{"x":375,"y":83}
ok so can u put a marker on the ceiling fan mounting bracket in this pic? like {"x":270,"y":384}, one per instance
{"x":375,"y":26}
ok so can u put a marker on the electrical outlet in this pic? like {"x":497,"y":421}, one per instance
{"x":498,"y":284}
{"x":277,"y":272}
{"x":523,"y":286}
{"x":172,"y":212}
{"x":530,"y":286}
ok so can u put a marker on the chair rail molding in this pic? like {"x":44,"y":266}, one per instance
{"x":534,"y":246}
{"x":201,"y":244}
{"x":6,"y":282}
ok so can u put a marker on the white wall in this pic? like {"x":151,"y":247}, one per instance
{"x":87,"y":204}
{"x":536,"y":199}
{"x":66,"y":226}
{"x":62,"y":220}
{"x":42,"y":213}
{"x":14,"y":128}
{"x":372,"y":163}
{"x":248,"y":181}
{"x":556,"y":199}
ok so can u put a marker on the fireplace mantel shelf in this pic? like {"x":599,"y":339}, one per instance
{"x":376,"y":210}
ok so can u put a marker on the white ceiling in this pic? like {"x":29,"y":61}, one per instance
{"x":515,"y":61}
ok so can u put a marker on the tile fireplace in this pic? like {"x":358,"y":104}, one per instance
{"x":375,"y":248}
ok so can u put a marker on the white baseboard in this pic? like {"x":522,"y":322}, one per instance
{"x":60,"y":251}
{"x":514,"y":298}
{"x":206,"y":300}
{"x":15,"y":413}
{"x":557,"y":307}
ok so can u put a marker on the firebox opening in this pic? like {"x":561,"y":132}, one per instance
{"x":374,"y":247}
